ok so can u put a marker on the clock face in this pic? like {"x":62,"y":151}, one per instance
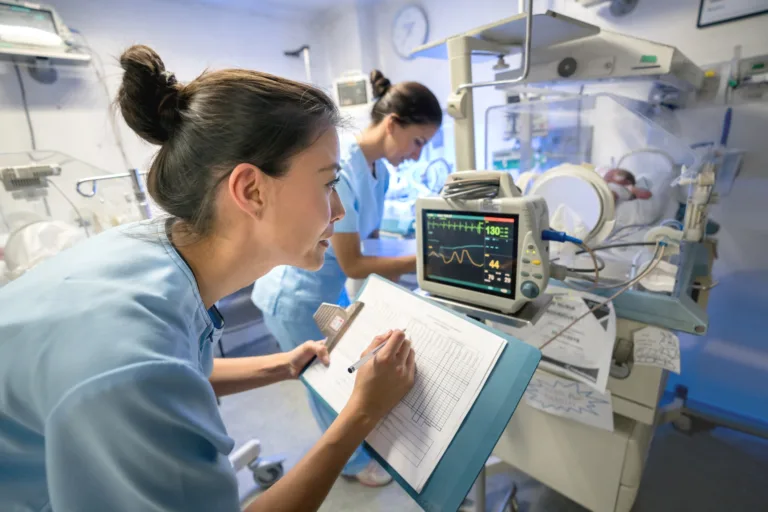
{"x":409,"y":30}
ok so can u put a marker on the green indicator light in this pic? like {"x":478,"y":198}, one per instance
{"x":648,"y":59}
{"x":758,"y":66}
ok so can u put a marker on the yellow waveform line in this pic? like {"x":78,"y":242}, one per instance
{"x":459,"y":257}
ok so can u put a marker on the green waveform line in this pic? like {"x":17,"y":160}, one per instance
{"x":457,"y":226}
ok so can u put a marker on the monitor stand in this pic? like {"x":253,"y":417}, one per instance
{"x":528,"y":315}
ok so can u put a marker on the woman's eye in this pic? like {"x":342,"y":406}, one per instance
{"x":332,"y":185}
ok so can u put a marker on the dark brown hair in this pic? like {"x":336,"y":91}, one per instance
{"x":207,"y":127}
{"x":410,"y":102}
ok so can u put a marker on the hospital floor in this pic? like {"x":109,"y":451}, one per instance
{"x":712,"y":471}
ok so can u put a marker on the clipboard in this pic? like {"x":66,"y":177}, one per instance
{"x":481,"y":429}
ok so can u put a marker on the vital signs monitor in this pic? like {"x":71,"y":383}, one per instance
{"x":480,"y":242}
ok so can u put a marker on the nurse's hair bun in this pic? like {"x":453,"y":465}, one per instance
{"x":150,"y":98}
{"x":380,"y":83}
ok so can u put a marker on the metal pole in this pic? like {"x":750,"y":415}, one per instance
{"x":480,"y":491}
{"x":140,"y":190}
{"x":526,"y":56}
{"x":307,"y":67}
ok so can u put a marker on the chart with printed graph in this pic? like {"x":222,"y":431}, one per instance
{"x":473,"y":251}
{"x":445,"y":368}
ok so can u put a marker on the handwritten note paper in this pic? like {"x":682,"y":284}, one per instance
{"x":657,"y":347}
{"x":570,"y":399}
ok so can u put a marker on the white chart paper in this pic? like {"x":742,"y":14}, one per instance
{"x":453,"y":360}
{"x":584,"y":351}
{"x":570,"y":399}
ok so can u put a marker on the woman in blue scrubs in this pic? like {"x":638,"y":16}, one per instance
{"x":404,"y":119}
{"x":107,"y":381}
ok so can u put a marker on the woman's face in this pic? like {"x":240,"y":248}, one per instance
{"x":303,"y":205}
{"x":406,"y":142}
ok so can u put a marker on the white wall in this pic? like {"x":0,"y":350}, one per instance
{"x":71,"y":114}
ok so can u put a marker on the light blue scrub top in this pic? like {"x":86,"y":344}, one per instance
{"x":289,"y":291}
{"x":105,"y":405}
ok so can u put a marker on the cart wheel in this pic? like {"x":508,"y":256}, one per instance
{"x":683,"y":424}
{"x":267,"y":474}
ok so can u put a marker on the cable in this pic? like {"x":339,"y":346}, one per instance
{"x":470,"y":189}
{"x":5,"y":219}
{"x":79,"y":216}
{"x":658,"y":255}
{"x":605,"y":248}
{"x":26,"y":107}
{"x":585,"y":247}
{"x":101,"y":76}
{"x":600,"y":286}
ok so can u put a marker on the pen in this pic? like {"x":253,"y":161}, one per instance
{"x":366,"y":358}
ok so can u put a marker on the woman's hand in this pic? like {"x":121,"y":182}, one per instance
{"x":299,"y":357}
{"x":384,"y":380}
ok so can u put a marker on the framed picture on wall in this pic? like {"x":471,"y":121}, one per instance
{"x":715,"y":12}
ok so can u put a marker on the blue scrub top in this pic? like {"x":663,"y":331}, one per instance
{"x":105,"y":404}
{"x":294,"y":293}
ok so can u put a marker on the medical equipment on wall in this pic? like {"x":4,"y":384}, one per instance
{"x":617,"y":8}
{"x":32,"y":32}
{"x":353,"y":93}
{"x":303,"y":52}
{"x":556,"y":49}
{"x":481,"y":243}
{"x":353,"y":89}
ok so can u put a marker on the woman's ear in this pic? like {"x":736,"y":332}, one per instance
{"x":391,"y":123}
{"x":247,"y":188}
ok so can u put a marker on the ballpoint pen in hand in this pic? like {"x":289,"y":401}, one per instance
{"x":370,"y":355}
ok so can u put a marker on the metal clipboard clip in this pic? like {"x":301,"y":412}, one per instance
{"x":334,"y":321}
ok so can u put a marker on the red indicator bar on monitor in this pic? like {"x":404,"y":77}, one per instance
{"x":498,"y":219}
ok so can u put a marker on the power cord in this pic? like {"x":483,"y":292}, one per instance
{"x":101,"y":77}
{"x":26,"y":107}
{"x":605,"y":248}
{"x":658,"y":256}
{"x":560,"y":236}
{"x":67,"y":199}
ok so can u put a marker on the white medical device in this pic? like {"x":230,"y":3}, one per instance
{"x":32,"y":32}
{"x":353,"y":89}
{"x":480,"y":242}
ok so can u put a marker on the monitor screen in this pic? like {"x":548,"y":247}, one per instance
{"x":19,"y":16}
{"x":470,"y":250}
{"x":352,"y":93}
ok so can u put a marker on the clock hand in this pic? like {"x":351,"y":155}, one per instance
{"x":409,"y":29}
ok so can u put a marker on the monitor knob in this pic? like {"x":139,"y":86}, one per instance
{"x":529,"y":289}
{"x":567,"y":67}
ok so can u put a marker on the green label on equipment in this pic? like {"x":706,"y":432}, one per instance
{"x":648,"y":59}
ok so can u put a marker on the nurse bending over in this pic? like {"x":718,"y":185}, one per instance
{"x":107,"y":381}
{"x":404,"y":119}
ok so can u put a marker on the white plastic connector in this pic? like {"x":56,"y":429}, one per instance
{"x":667,"y":234}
